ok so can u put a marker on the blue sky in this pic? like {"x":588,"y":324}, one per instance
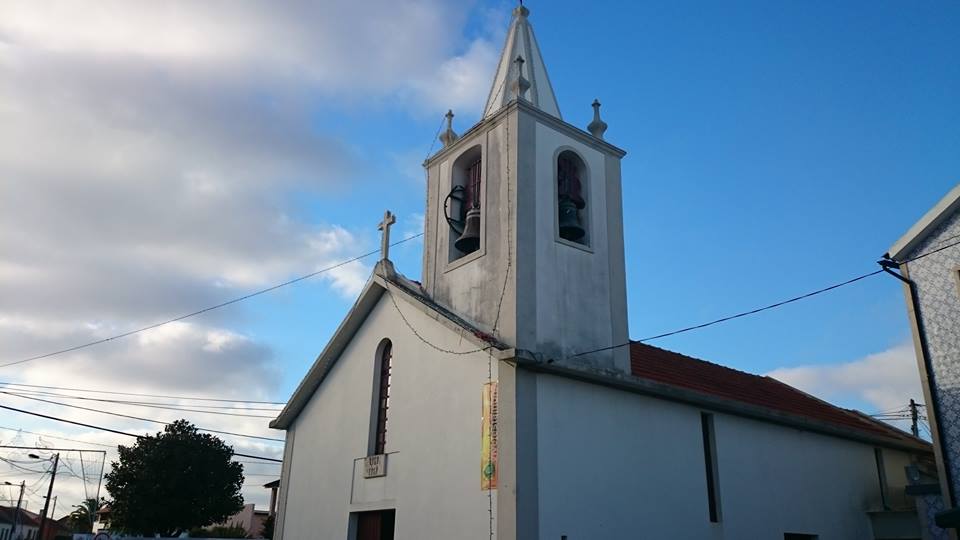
{"x":773,"y":149}
{"x":156,"y":160}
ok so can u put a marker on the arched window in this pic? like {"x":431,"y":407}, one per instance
{"x":571,"y":199}
{"x":383,"y":396}
{"x":462,"y":205}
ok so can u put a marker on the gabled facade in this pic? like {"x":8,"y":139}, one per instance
{"x":501,"y":398}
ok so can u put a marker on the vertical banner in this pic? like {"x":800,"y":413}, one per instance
{"x":488,"y":438}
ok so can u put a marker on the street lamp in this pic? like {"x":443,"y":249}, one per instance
{"x":46,"y":503}
{"x":16,"y":515}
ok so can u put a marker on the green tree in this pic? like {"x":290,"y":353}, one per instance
{"x":83,"y":516}
{"x":178,"y":480}
{"x":267,"y":531}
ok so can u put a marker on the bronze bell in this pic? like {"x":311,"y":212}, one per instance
{"x":569,"y":220}
{"x":469,"y":241}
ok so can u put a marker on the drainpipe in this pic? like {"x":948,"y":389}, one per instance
{"x":933,"y":408}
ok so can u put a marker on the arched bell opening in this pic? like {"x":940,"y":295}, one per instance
{"x":572,"y":222}
{"x":463,"y":204}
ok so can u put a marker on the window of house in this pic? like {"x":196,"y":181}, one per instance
{"x":383,"y":397}
{"x":572,"y":222}
{"x":710,"y":461}
{"x":462,"y":207}
{"x":956,"y":274}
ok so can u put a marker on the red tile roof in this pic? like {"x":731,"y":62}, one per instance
{"x":678,"y":370}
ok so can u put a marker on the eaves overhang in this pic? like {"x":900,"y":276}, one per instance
{"x":949,"y":204}
{"x":383,"y":280}
{"x":573,"y":131}
{"x":638,"y":385}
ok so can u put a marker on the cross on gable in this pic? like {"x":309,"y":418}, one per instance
{"x":388,"y":220}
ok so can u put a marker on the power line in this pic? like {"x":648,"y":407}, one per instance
{"x":234,"y":408}
{"x":20,"y":467}
{"x":139,"y":394}
{"x":55,"y":437}
{"x":171,"y":407}
{"x":735,"y":316}
{"x":138,"y":417}
{"x":117,"y":431}
{"x":204,"y":310}
{"x":935,"y":250}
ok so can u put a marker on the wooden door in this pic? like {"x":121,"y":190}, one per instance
{"x":375,"y":525}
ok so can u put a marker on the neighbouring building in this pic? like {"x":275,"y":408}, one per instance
{"x":928,"y":260}
{"x":7,"y":523}
{"x":20,"y":525}
{"x":102,"y":523}
{"x":249,"y":519}
{"x":53,"y":529}
{"x":273,"y":487}
{"x":502,"y":398}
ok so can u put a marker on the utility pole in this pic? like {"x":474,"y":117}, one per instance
{"x":16,"y":515}
{"x":914,"y":428}
{"x":17,"y":518}
{"x":46,"y":503}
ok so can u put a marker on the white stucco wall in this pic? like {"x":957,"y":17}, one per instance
{"x":580,"y":298}
{"x":433,"y":437}
{"x":616,"y":465}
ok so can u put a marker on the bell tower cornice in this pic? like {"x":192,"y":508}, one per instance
{"x":561,"y":125}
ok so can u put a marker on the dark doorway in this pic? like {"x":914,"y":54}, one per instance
{"x":375,"y":525}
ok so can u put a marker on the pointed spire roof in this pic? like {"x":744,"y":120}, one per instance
{"x":521,"y":43}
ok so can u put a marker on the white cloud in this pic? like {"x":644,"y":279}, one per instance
{"x":462,"y":82}
{"x":887,"y":380}
{"x":148,"y":155}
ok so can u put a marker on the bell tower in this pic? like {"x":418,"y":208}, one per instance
{"x":524,"y":223}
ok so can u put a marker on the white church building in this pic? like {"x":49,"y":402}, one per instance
{"x":501,"y":398}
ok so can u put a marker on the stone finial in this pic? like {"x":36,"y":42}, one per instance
{"x":598,"y":126}
{"x":521,"y":11}
{"x":521,"y":84}
{"x":448,"y":136}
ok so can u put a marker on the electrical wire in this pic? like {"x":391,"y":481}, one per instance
{"x":55,"y":437}
{"x":110,"y":430}
{"x":232,"y":408}
{"x":496,"y":320}
{"x":771,"y":306}
{"x":735,"y":316}
{"x":934,"y":250}
{"x":137,"y":394}
{"x":15,"y":465}
{"x":139,"y":417}
{"x":419,"y":336}
{"x":137,"y":404}
{"x":203,"y":310}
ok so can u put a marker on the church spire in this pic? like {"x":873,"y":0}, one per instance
{"x":531,"y":69}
